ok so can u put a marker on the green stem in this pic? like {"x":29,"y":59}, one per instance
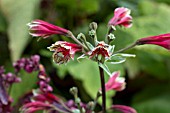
{"x":76,"y":40}
{"x":126,"y":48}
{"x":96,"y":99}
{"x":109,"y":30}
{"x":79,"y":107}
{"x":103,"y":89}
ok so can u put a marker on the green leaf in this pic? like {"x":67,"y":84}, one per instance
{"x":133,"y":67}
{"x":85,"y":6}
{"x":105,"y":68}
{"x":119,"y":58}
{"x":18,"y":14}
{"x":90,"y":45}
{"x":153,"y":99}
{"x":25,"y":86}
{"x":3,"y":24}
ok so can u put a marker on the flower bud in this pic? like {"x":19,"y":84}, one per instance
{"x":74,"y":91}
{"x":93,"y":26}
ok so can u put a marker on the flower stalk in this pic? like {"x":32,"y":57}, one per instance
{"x":103,"y":89}
{"x":77,"y":41}
{"x":126,"y":48}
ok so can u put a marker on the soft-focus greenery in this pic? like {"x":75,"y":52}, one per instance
{"x":148,"y":75}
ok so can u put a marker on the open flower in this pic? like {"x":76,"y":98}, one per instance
{"x":161,"y":40}
{"x":64,"y":51}
{"x":39,"y":28}
{"x":115,"y":82}
{"x":121,"y":17}
{"x":101,"y":49}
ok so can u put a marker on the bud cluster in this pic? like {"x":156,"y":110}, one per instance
{"x":28,"y":64}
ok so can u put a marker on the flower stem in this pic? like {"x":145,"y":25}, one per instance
{"x":109,"y":30}
{"x":103,"y":90}
{"x":76,"y":40}
{"x":126,"y":48}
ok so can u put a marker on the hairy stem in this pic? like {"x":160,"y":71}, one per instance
{"x":103,"y":90}
{"x":126,"y":48}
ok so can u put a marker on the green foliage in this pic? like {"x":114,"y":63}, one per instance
{"x":27,"y":84}
{"x":86,"y":6}
{"x":2,"y":23}
{"x":18,"y":14}
{"x":154,"y":98}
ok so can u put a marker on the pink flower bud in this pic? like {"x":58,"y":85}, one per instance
{"x":121,"y":17}
{"x":39,"y":28}
{"x":123,"y":109}
{"x":161,"y":40}
{"x":64,"y":51}
{"x":115,"y":82}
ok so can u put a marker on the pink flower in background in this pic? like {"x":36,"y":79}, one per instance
{"x":39,"y":28}
{"x":115,"y":82}
{"x":121,"y":17}
{"x":123,"y":109}
{"x":64,"y":51}
{"x":32,"y":107}
{"x":161,"y":40}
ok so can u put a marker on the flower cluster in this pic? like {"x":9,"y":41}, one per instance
{"x":101,"y":52}
{"x":28,"y":64}
{"x":43,"y":99}
{"x":98,"y":51}
{"x":8,"y":79}
{"x":6,"y":108}
{"x":44,"y":80}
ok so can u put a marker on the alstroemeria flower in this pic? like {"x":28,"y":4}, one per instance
{"x":115,"y":82}
{"x":32,"y":107}
{"x":64,"y":51}
{"x":161,"y":40}
{"x":121,"y":17}
{"x":123,"y":109}
{"x":101,"y":49}
{"x":39,"y":28}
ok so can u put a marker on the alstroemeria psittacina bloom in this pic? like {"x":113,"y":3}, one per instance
{"x":121,"y":17}
{"x":64,"y":51}
{"x":39,"y":28}
{"x":123,"y":109}
{"x":101,"y":49}
{"x":161,"y":40}
{"x":115,"y":82}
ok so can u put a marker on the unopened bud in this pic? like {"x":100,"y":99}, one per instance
{"x":111,"y":36}
{"x":90,"y":105}
{"x":99,"y":93}
{"x":92,"y":33}
{"x":93,"y":26}
{"x":74,"y":91}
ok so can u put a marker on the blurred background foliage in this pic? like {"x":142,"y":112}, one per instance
{"x":147,"y":75}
